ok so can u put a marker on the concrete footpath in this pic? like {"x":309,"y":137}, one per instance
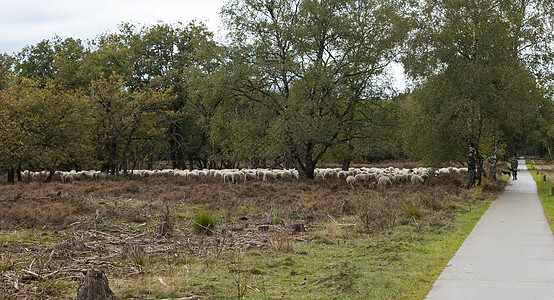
{"x":508,"y":255}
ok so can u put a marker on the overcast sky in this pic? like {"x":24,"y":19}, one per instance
{"x":27,"y":22}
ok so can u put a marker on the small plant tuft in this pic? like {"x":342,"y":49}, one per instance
{"x":412,"y":211}
{"x":281,"y":241}
{"x":204,"y":223}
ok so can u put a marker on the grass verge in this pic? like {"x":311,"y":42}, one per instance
{"x":543,"y":189}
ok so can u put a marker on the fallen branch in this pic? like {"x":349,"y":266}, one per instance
{"x":33,"y":274}
{"x":136,"y":236}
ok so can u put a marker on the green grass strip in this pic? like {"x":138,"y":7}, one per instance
{"x":401,"y":263}
{"x":543,"y":189}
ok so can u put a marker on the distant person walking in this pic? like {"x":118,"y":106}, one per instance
{"x":513,"y":167}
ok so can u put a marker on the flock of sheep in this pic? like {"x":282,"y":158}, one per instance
{"x":354,"y":176}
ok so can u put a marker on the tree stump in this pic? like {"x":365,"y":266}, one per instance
{"x":164,"y":229}
{"x":264,"y":228}
{"x":297,"y":227}
{"x":94,"y":286}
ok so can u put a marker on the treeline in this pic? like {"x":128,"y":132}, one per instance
{"x":295,"y":83}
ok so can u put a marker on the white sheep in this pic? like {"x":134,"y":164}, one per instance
{"x":180,"y":173}
{"x":100,"y":175}
{"x":68,"y":178}
{"x":442,"y":172}
{"x":342,"y":174}
{"x":268,"y":175}
{"x":238,"y":177}
{"x":250,"y":176}
{"x":416,"y":179}
{"x":362,"y":177}
{"x":227,"y":177}
{"x":319,"y":176}
{"x":351,"y":181}
{"x":384,"y":181}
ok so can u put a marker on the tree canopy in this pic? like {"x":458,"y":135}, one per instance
{"x":294,"y":84}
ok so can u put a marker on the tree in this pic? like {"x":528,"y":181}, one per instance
{"x":470,"y":53}
{"x":37,"y":61}
{"x":68,"y":64}
{"x":126,"y":124}
{"x":11,"y":134}
{"x":307,"y":66}
{"x":42,"y":127}
{"x":6,"y":63}
{"x":164,"y":56}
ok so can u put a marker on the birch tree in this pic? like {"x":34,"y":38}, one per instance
{"x":473,"y":61}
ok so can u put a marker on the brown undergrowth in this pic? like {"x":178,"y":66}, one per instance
{"x":52,"y":231}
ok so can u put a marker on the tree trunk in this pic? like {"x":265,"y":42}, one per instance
{"x":346,"y":163}
{"x":286,"y":160}
{"x":480,"y":171}
{"x":302,"y":172}
{"x":19,"y":172}
{"x":94,"y":286}
{"x":11,"y":176}
{"x":494,"y":158}
{"x":471,"y":165}
{"x":50,"y":176}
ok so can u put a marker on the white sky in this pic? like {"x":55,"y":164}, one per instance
{"x":27,"y":22}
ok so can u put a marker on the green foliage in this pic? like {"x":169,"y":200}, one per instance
{"x":121,"y":117}
{"x":477,"y":87}
{"x":298,"y":82}
{"x":204,"y":222}
{"x":46,"y":126}
{"x":315,"y":88}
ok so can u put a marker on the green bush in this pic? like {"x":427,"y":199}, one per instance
{"x":204,"y":223}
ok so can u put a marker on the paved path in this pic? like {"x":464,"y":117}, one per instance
{"x":508,"y":255}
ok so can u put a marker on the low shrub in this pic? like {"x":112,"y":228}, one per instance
{"x":204,"y":223}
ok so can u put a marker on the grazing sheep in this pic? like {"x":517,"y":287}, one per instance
{"x":384,"y":181}
{"x":362,"y":177}
{"x":442,"y":172}
{"x":289,"y":174}
{"x":268,"y":175}
{"x":191,"y":175}
{"x":234,"y":177}
{"x":68,"y":178}
{"x":250,"y":176}
{"x":87,"y":174}
{"x":330,"y":173}
{"x":238,"y":177}
{"x":100,"y":175}
{"x":343,"y":174}
{"x":228,"y":177}
{"x":416,"y":179}
{"x":181,"y":173}
{"x":351,"y":181}
{"x":319,"y":176}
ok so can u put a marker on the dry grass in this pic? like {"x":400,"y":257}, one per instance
{"x":112,"y":224}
